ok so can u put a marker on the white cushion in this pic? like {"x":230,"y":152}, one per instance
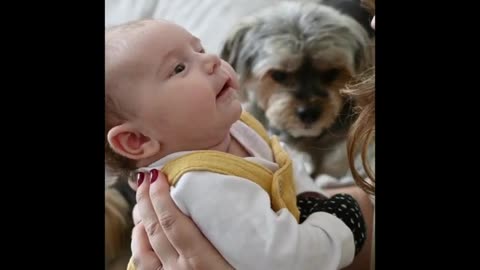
{"x":209,"y":20}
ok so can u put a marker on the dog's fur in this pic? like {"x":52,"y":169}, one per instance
{"x":293,"y":59}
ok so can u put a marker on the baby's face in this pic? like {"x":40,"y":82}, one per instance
{"x":182,"y":96}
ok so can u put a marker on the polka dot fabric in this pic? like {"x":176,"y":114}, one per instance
{"x":342,"y":206}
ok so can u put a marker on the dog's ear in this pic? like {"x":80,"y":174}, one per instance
{"x":238,"y":53}
{"x":364,"y":56}
{"x":234,"y":43}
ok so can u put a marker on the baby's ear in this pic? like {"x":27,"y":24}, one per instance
{"x":129,"y":142}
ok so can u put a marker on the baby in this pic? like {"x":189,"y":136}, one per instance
{"x":171,"y":106}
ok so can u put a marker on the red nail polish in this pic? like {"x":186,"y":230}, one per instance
{"x":140,"y":178}
{"x":153,"y":175}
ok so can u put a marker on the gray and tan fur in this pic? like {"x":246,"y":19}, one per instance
{"x":292,"y":60}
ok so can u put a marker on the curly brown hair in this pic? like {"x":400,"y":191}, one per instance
{"x":362,"y":132}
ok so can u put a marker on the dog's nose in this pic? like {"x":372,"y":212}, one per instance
{"x":308,"y":114}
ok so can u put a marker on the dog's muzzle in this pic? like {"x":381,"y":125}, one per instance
{"x":308,"y":114}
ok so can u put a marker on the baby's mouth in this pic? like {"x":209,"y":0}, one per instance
{"x":224,"y":89}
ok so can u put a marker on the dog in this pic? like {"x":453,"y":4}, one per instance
{"x":293,"y":59}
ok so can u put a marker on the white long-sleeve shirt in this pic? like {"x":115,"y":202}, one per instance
{"x":236,"y":217}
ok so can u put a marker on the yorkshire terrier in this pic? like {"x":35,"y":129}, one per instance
{"x":293,"y":59}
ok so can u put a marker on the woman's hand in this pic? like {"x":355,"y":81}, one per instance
{"x":163,"y":236}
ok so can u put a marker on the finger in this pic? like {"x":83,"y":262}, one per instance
{"x":133,"y":183}
{"x":159,"y":242}
{"x":143,"y":255}
{"x":178,"y":228}
{"x":136,"y":215}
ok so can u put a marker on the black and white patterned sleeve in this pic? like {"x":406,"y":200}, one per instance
{"x":343,"y":206}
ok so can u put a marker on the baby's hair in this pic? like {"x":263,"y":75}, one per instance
{"x":114,"y":115}
{"x":132,"y":25}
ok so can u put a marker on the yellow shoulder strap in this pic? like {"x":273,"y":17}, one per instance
{"x":279,"y":185}
{"x":218,"y":162}
{"x":283,"y":188}
{"x":252,"y":122}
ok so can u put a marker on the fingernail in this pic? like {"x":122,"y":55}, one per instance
{"x":140,"y":178}
{"x":153,"y":175}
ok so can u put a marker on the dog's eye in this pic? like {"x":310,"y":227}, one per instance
{"x":330,"y":75}
{"x":279,"y":76}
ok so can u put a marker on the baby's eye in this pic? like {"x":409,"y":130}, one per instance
{"x":202,"y":50}
{"x":179,"y":68}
